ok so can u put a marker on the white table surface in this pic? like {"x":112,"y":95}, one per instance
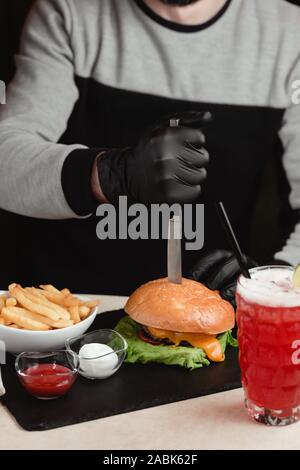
{"x":213,"y":422}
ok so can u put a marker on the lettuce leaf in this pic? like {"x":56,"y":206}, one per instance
{"x":184,"y":356}
{"x":227,"y":339}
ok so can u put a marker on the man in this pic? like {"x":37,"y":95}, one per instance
{"x":86,"y":123}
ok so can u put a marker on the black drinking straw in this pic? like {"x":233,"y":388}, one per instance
{"x":232,"y":238}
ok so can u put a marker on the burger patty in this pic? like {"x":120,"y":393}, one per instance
{"x":145,"y":335}
{"x":208,"y":343}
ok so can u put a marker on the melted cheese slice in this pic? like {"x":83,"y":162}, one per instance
{"x":209,"y":343}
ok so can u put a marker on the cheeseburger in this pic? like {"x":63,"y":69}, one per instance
{"x":182,"y":317}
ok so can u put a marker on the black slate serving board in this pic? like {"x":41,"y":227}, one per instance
{"x":132,"y":388}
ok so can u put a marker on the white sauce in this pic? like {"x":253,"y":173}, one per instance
{"x":97,"y":361}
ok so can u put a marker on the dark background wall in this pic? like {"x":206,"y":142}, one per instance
{"x":12,"y":14}
{"x":265,"y":234}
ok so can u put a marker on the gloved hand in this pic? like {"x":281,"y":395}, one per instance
{"x":167,"y":165}
{"x":219,"y":270}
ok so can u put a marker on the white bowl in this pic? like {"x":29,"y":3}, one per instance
{"x":18,"y":341}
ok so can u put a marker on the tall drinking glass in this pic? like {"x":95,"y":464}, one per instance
{"x":268,"y":319}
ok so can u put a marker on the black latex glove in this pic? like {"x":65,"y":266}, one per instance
{"x":167,"y":165}
{"x":219,"y":270}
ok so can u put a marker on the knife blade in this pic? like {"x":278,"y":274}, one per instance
{"x":174,"y":251}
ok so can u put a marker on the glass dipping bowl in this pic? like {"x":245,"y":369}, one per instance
{"x":101,"y":364}
{"x":47,"y":375}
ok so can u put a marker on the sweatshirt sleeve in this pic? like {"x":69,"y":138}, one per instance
{"x":39,"y":177}
{"x":290,"y":137}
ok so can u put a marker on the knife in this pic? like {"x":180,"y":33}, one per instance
{"x":174,"y":251}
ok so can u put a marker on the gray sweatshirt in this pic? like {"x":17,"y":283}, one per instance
{"x":94,"y":74}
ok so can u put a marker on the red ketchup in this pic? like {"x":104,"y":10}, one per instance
{"x":47,"y":380}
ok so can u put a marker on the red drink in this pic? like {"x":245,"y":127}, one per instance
{"x":268,"y":318}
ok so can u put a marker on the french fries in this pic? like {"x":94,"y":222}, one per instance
{"x":84,"y":312}
{"x":74,"y":311}
{"x":22,"y":318}
{"x":50,"y":288}
{"x":11,"y":302}
{"x":2,"y":301}
{"x":63,"y":299}
{"x":42,"y":309}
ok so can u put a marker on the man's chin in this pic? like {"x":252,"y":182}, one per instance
{"x":178,"y":3}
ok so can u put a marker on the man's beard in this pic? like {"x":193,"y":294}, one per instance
{"x":178,"y":3}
